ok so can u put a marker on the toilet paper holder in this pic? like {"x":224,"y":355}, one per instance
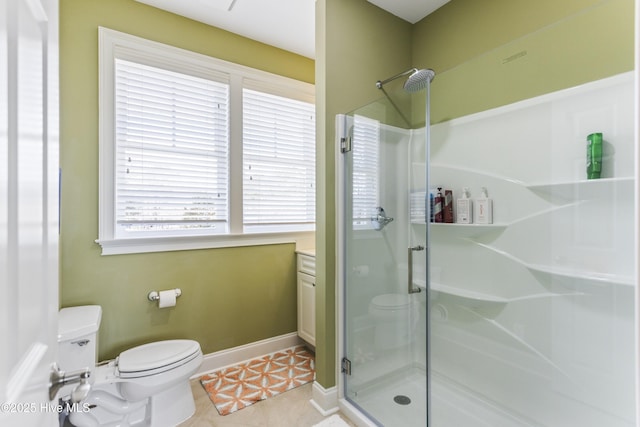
{"x":155,"y":295}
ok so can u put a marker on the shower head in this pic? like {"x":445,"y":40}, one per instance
{"x":418,"y":80}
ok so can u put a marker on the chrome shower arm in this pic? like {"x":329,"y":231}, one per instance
{"x":379,"y":83}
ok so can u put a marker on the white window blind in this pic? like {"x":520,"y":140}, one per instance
{"x":366,"y":159}
{"x":171,"y":155}
{"x":278,"y":162}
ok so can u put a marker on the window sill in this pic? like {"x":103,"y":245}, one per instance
{"x":304,"y":239}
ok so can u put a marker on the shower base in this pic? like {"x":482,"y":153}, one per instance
{"x":401,"y":402}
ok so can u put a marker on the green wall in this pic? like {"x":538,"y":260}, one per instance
{"x":356,"y":45}
{"x":486,"y":53}
{"x":230,"y":296}
{"x":495,"y":52}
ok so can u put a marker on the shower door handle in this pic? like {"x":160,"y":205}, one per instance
{"x":410,"y":251}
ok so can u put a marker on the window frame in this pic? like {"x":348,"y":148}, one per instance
{"x":114,"y":44}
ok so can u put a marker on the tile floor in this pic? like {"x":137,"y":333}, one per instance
{"x":289,"y":409}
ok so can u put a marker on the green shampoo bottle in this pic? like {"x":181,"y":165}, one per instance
{"x":594,"y":155}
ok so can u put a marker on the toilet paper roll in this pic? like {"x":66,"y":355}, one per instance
{"x":167,"y":298}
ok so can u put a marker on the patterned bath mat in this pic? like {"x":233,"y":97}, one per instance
{"x":231,"y":389}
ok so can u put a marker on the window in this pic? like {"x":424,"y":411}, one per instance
{"x":196,"y":152}
{"x":366,"y":155}
{"x":171,"y":141}
{"x":278,"y":147}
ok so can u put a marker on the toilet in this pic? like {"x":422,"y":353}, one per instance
{"x":394,"y":319}
{"x":146,"y":385}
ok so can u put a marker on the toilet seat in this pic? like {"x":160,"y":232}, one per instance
{"x":390,"y":301}
{"x":156,"y":357}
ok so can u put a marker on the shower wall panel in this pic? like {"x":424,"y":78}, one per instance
{"x":534,"y":313}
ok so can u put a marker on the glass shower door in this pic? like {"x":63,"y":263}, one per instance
{"x":385,"y":268}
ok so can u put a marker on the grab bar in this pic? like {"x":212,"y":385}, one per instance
{"x":410,"y":251}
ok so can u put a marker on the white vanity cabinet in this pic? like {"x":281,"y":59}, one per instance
{"x":307,"y":297}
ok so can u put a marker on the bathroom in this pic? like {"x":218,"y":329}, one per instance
{"x":581,"y":42}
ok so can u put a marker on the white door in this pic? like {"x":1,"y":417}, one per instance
{"x":28,"y":210}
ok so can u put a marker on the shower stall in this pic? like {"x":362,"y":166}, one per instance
{"x":526,"y":318}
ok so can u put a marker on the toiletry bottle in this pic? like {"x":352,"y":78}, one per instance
{"x":464,"y":208}
{"x":484,"y":208}
{"x":438,"y":205}
{"x":448,"y":206}
{"x":432,"y":199}
{"x":594,"y":155}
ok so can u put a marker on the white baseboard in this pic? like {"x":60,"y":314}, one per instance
{"x":235,"y":355}
{"x":324,"y":400}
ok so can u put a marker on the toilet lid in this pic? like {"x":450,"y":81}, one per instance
{"x":390,"y":301}
{"x":76,"y":322}
{"x":156,"y":357}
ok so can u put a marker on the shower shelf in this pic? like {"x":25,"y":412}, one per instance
{"x":468,"y":230}
{"x":614,"y":279}
{"x":467,"y":294}
{"x":479,"y":297}
{"x":584,"y":189}
{"x":565,"y":271}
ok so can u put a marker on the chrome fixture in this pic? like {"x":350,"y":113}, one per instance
{"x":381,"y":219}
{"x":416,"y":81}
{"x":59,"y":379}
{"x":379,"y":83}
{"x":155,"y":295}
{"x":410,"y":251}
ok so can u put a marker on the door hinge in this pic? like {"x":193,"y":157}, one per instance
{"x":346,"y":366}
{"x":345,"y":144}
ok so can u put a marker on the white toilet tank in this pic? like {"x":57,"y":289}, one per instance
{"x":78,"y":337}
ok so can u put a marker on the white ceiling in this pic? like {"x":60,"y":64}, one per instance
{"x":409,"y":10}
{"x":287,"y":24}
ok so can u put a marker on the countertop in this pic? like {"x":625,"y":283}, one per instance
{"x":308,"y":252}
